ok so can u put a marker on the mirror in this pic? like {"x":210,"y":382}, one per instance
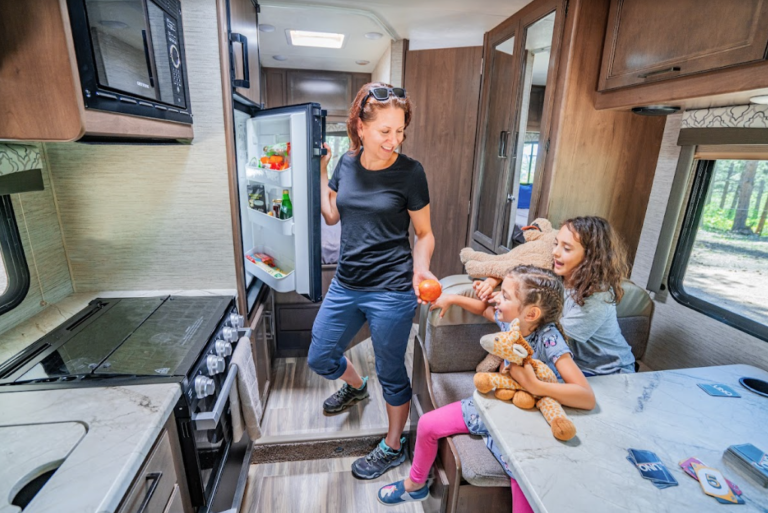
{"x":538,"y":43}
{"x":497,"y":139}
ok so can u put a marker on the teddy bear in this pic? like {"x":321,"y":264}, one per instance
{"x":513,"y":347}
{"x":537,"y":250}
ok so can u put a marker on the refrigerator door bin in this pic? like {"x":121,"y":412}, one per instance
{"x":287,"y":283}
{"x":269,"y":176}
{"x":281,"y":226}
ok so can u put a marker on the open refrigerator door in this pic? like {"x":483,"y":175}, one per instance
{"x":278,"y":164}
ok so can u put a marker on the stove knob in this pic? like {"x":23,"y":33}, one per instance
{"x":236,"y":321}
{"x":216,"y":364}
{"x":229,"y":334}
{"x":204,"y":387}
{"x":223,"y":348}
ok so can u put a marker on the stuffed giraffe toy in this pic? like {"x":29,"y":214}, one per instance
{"x":511,"y":346}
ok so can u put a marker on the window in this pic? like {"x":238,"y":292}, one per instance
{"x":14,"y":273}
{"x":720,"y":267}
{"x":339,"y":143}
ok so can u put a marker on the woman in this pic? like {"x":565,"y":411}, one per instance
{"x":376,"y":193}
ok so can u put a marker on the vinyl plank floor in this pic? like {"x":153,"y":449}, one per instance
{"x":318,"y":486}
{"x":294,"y":409}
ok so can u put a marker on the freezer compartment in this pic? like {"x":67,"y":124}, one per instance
{"x":281,"y":226}
{"x":286,"y":283}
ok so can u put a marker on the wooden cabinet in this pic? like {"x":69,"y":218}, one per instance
{"x":160,"y":484}
{"x":244,"y":50}
{"x":40,"y":93}
{"x":654,"y":40}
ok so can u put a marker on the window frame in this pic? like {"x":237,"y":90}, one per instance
{"x":694,"y":208}
{"x":14,"y":260}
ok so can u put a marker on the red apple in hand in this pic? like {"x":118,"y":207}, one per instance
{"x":429,"y":290}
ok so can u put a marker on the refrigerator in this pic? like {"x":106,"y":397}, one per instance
{"x":278,"y":152}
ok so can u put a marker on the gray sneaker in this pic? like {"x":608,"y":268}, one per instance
{"x":378,"y":461}
{"x":346,"y":396}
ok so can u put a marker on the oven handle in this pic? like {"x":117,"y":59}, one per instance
{"x":210,"y":419}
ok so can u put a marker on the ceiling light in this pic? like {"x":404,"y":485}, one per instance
{"x":762,"y":100}
{"x":315,"y":39}
{"x":267,"y":28}
{"x":280,"y":58}
{"x":374,"y":35}
{"x":362,"y":63}
{"x":656,"y":110}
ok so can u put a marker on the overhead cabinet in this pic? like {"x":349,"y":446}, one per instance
{"x":244,"y":51}
{"x":655,"y":40}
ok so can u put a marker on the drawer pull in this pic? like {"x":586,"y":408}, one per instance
{"x":155,"y":477}
{"x":659,"y":72}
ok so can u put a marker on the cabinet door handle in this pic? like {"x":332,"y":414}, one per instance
{"x":659,"y":72}
{"x":503,"y":144}
{"x":245,"y":83}
{"x":155,"y":477}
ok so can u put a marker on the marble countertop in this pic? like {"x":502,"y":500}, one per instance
{"x":16,"y":339}
{"x":664,"y":412}
{"x":104,"y":436}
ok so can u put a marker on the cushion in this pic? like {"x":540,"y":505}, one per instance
{"x":636,"y":330}
{"x":634,"y":314}
{"x":478,"y":466}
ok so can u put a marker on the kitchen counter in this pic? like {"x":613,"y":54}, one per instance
{"x":103,"y":435}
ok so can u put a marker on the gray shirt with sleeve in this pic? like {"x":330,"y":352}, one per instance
{"x":596,"y":341}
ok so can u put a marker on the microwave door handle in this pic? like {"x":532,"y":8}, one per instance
{"x":146,"y":58}
{"x":246,"y":81}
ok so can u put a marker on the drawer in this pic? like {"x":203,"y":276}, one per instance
{"x":155,"y":483}
{"x":296,"y":317}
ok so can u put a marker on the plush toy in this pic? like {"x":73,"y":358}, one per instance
{"x":513,"y":347}
{"x":537,"y":250}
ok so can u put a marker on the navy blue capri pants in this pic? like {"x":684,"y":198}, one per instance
{"x":342,"y":314}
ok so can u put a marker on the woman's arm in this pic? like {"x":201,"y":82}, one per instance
{"x":575,"y":392}
{"x":327,"y":195}
{"x":422,"y":250}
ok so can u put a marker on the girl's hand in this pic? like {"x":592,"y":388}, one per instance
{"x":525,"y":376}
{"x":505,"y":368}
{"x":443,"y":302}
{"x":325,"y":159}
{"x":484,"y":289}
{"x":418,"y":277}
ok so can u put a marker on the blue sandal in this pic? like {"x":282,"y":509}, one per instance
{"x":395,"y":493}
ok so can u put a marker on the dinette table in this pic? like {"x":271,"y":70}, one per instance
{"x":665,"y":412}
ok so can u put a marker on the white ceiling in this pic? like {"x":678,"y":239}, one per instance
{"x":427,"y":24}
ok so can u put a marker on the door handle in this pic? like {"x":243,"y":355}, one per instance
{"x":245,"y":83}
{"x":503,"y":137}
{"x":210,"y":419}
{"x":146,"y":58}
{"x":155,"y":477}
{"x":659,"y":72}
{"x":510,"y":198}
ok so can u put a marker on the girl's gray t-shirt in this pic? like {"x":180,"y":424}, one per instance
{"x":595,"y":337}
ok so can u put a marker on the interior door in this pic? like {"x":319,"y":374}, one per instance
{"x":278,"y":158}
{"x":493,"y":161}
{"x":536,"y":58}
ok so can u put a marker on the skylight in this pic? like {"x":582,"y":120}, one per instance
{"x":315,"y":39}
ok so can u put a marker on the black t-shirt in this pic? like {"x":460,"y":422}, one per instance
{"x":375,"y":253}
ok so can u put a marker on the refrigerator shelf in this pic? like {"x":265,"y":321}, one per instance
{"x":285,"y":284}
{"x":269,"y":176}
{"x":281,"y":226}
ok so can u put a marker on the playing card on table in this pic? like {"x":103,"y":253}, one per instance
{"x":691,"y":463}
{"x":651,"y":468}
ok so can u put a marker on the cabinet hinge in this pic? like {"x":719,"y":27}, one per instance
{"x":565,"y":13}
{"x":546,"y":146}
{"x":469,"y":207}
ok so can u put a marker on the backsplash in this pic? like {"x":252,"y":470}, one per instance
{"x":739,"y":116}
{"x":18,"y":157}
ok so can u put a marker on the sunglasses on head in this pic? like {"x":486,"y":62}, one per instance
{"x":382,"y":94}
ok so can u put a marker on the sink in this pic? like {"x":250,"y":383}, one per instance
{"x":31,"y":455}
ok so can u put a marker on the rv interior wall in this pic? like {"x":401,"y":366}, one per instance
{"x":40,"y":232}
{"x":153,"y":216}
{"x":444,"y":86}
{"x":603,"y":161}
{"x":383,"y":70}
{"x":682,"y":337}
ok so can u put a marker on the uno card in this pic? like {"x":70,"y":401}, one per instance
{"x":687,"y":466}
{"x":713,"y":483}
{"x":651,"y":468}
{"x":719,"y":390}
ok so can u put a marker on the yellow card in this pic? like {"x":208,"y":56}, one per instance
{"x":713,"y":483}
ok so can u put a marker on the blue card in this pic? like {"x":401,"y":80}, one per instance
{"x":719,"y":390}
{"x":651,"y":468}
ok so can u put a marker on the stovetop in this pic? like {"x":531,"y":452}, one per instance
{"x":124,"y":337}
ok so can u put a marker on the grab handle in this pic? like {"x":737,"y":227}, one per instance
{"x":659,"y":72}
{"x":245,"y":83}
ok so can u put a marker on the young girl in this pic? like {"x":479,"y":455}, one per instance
{"x":592,"y":261}
{"x":534,"y":296}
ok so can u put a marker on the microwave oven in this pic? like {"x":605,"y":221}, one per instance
{"x":130,"y":55}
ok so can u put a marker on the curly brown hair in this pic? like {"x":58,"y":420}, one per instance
{"x":605,"y":259}
{"x":540,"y":287}
{"x":368,"y":113}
